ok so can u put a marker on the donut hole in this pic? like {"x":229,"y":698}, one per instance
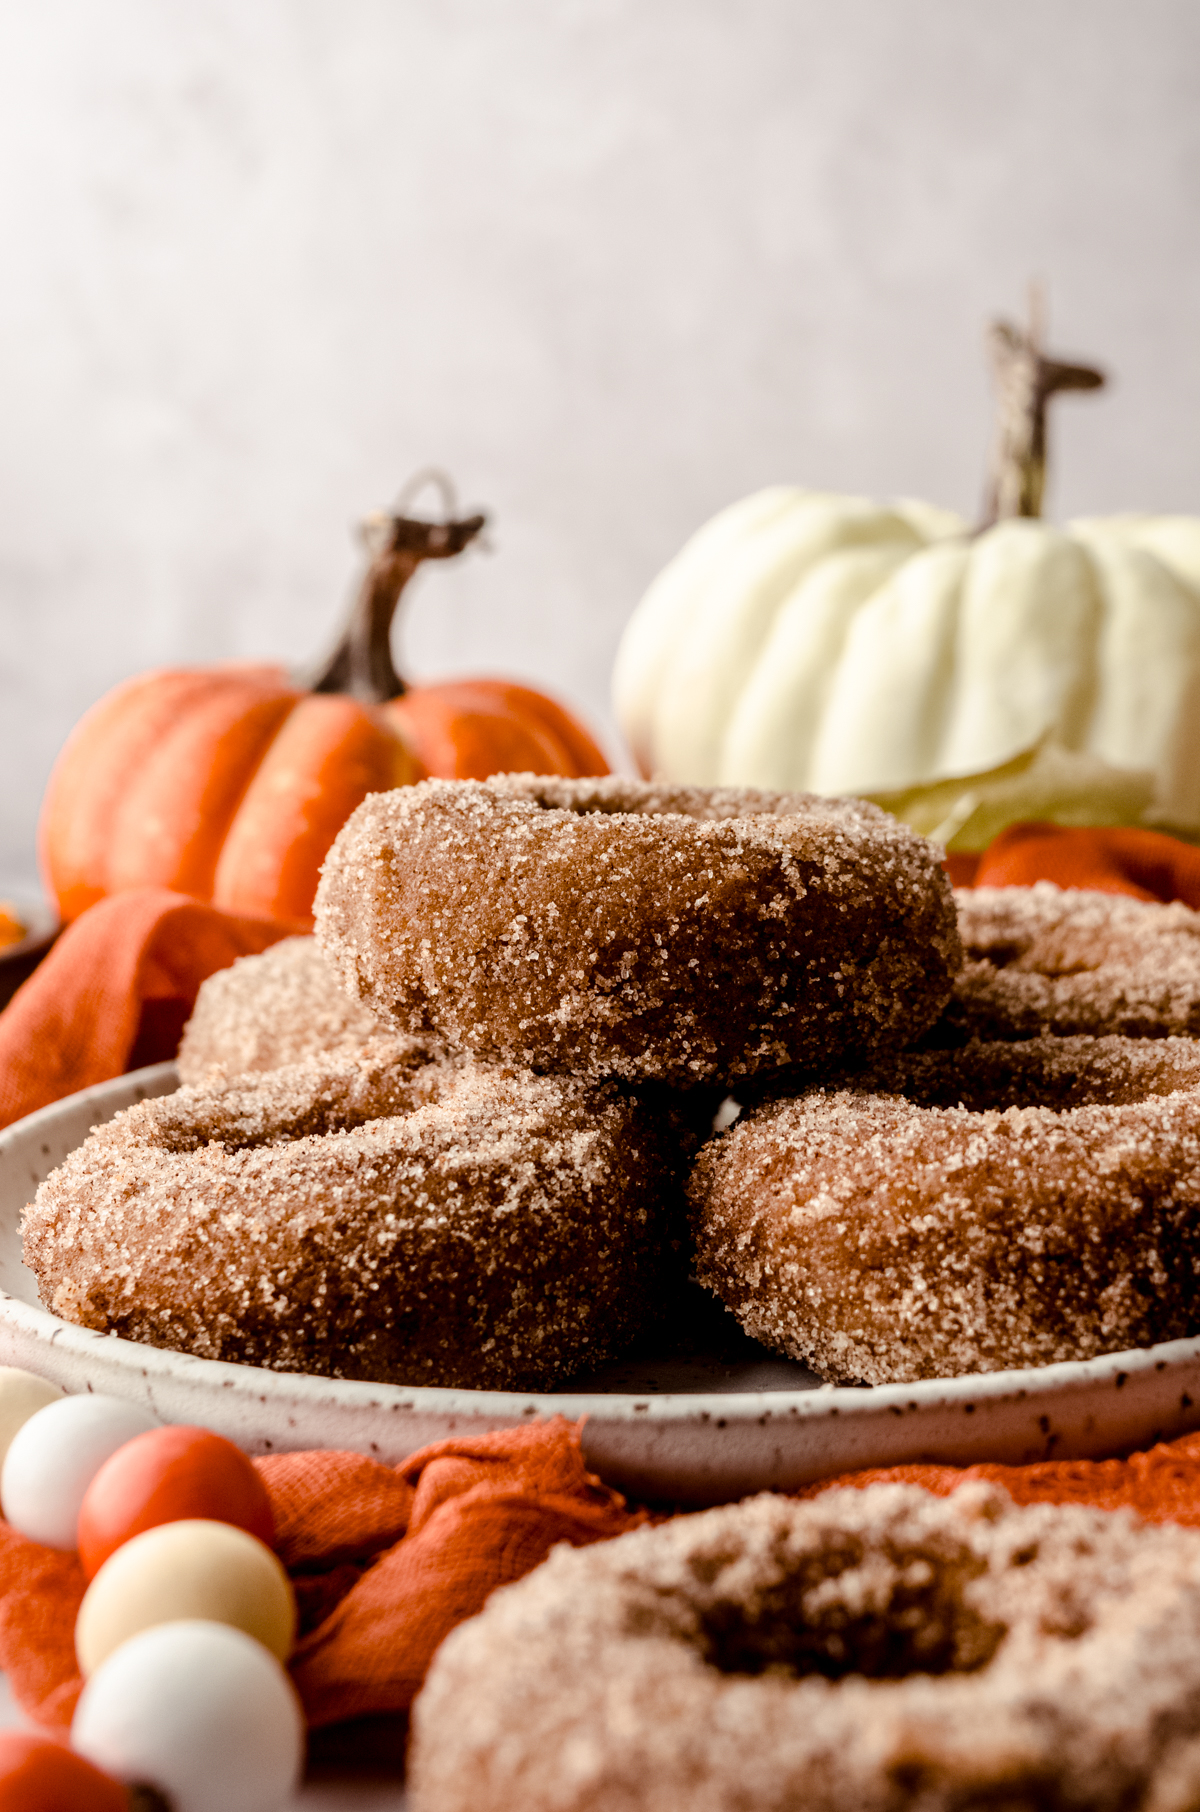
{"x":1078,"y":943}
{"x":1058,"y":1073}
{"x":234,"y":1132}
{"x":612,"y":796}
{"x":384,"y":1077}
{"x":611,"y":800}
{"x":1061,"y":951}
{"x":1042,"y":960}
{"x":880,"y":1614}
{"x":236,"y":1129}
{"x":623,"y":808}
{"x":1001,"y":954}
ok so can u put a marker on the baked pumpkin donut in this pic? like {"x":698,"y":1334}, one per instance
{"x":615,"y":928}
{"x":1043,"y":959}
{"x":963,"y":1211}
{"x":875,"y":1650}
{"x":272,"y":1009}
{"x":367,"y":1216}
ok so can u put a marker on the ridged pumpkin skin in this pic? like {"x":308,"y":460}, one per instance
{"x":230,"y":783}
{"x":963,"y":679}
{"x":812,"y":642}
{"x":470,"y":728}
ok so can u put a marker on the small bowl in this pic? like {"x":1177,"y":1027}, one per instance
{"x":42,"y":926}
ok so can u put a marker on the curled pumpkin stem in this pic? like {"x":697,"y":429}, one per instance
{"x":361,"y":664}
{"x":1025,"y":381}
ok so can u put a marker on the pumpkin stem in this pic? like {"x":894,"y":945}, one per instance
{"x":361,"y":663}
{"x":1025,"y":381}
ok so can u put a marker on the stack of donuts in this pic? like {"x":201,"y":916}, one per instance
{"x":447,"y":1140}
{"x":464,"y":1135}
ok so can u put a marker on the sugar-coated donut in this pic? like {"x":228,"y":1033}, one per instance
{"x":879,"y":1650}
{"x":268,"y":1010}
{"x":368,"y":1215}
{"x":964,"y":1211}
{"x":1042,"y":959}
{"x":615,"y":928}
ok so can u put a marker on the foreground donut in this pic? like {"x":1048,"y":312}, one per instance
{"x":867,"y":1651}
{"x":1040,"y":959}
{"x":964,"y":1211}
{"x":268,"y":1010}
{"x":612,"y":928}
{"x":370,"y":1216}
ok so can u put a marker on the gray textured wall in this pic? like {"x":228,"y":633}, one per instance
{"x":612,"y":262}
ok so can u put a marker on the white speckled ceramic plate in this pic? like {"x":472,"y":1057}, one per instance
{"x":700,"y":1426}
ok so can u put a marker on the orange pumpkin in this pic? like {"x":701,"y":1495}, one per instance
{"x":229,"y":783}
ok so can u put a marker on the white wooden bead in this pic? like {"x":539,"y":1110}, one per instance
{"x":55,"y":1455}
{"x":201,"y":1712}
{"x":22,"y":1394}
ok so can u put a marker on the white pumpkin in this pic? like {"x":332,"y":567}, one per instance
{"x":836,"y":645}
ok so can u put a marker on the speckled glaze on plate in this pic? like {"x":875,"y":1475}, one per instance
{"x":697,"y":1427}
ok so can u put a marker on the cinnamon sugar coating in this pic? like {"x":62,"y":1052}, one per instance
{"x":1044,"y":959}
{"x":268,"y":1010}
{"x":367,"y":1216}
{"x":963,"y":1211}
{"x":880,"y":1650}
{"x":615,"y":928}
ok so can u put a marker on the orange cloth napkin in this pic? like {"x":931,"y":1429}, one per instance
{"x":114,"y":993}
{"x":384,"y":1561}
{"x":1144,"y":863}
{"x":1161,"y":1485}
